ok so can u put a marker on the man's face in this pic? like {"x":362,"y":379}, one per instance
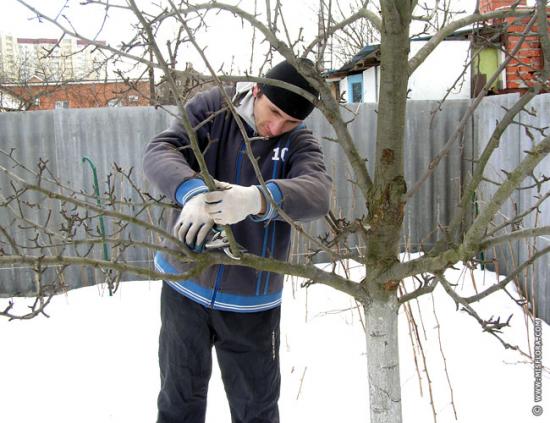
{"x":270,"y":120}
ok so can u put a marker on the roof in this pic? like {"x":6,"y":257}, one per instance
{"x":37,"y":81}
{"x":369,"y":55}
{"x":37,"y":41}
{"x":369,"y":51}
{"x":56,"y":41}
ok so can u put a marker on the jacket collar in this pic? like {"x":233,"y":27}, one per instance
{"x":244,"y":102}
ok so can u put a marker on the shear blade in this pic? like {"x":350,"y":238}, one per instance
{"x":220,"y":241}
{"x":229,"y":254}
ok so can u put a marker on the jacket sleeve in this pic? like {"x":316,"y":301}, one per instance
{"x":305,"y":192}
{"x":169,"y":162}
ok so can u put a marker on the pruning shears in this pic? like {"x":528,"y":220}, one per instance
{"x":218,"y":240}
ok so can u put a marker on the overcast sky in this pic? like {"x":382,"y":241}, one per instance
{"x":226,"y":40}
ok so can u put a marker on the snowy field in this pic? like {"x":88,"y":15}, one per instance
{"x":95,"y":360}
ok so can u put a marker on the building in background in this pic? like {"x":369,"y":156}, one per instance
{"x":358,"y":81}
{"x":42,"y":95}
{"x":44,"y":73}
{"x":522,"y":70}
{"x":8,"y":56}
{"x":459,"y":67}
{"x":67,"y":59}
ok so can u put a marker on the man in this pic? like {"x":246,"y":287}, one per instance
{"x":234,"y":308}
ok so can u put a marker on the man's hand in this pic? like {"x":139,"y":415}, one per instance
{"x":233,"y":203}
{"x":194,"y":222}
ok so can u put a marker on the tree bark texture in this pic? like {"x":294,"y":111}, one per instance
{"x":386,"y":197}
{"x":383,"y":361}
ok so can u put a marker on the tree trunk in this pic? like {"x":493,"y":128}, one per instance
{"x":386,"y":201}
{"x":386,"y":204}
{"x":383,"y":360}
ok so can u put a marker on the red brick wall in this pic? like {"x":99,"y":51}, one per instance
{"x":490,"y":5}
{"x":83,"y":95}
{"x":521,"y":70}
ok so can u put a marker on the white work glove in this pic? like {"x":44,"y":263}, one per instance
{"x":194,"y":222}
{"x":232,"y":203}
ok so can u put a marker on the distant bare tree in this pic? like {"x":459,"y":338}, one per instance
{"x":341,"y":46}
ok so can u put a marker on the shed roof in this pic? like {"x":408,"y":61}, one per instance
{"x":369,"y":55}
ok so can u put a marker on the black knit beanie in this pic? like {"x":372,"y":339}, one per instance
{"x":291,"y":103}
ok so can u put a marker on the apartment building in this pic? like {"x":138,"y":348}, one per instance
{"x":49,"y":59}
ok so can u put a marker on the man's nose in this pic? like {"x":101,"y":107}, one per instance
{"x":276,"y":127}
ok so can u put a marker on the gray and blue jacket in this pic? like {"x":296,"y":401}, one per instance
{"x":295,"y":174}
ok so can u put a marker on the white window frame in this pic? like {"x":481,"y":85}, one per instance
{"x":62,"y":104}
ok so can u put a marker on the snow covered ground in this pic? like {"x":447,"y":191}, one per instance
{"x":94,"y":360}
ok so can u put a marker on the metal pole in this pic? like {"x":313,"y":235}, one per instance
{"x":101,"y":217}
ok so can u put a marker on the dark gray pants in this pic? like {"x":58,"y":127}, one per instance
{"x":247,"y":347}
